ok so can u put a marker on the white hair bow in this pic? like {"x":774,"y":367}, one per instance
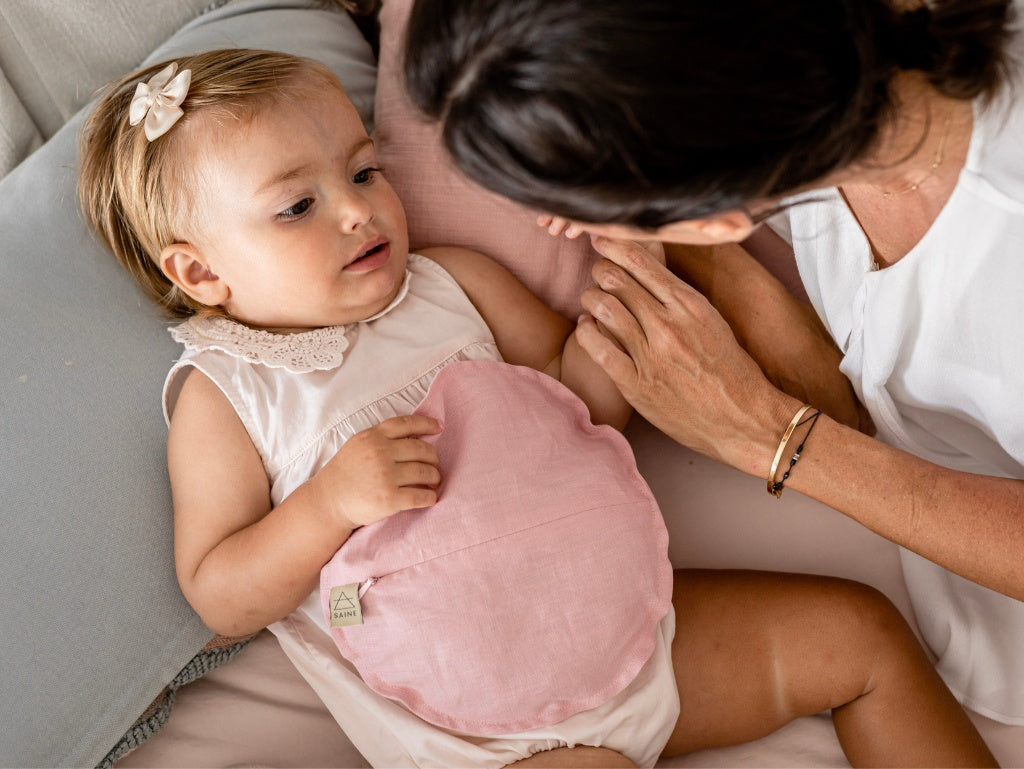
{"x":157,"y":101}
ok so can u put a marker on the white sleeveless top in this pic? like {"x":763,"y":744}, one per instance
{"x":932,"y":345}
{"x":389,"y":362}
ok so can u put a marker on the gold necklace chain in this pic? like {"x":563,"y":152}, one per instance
{"x":936,"y":162}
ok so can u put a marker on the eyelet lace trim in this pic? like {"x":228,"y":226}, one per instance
{"x":319,"y":349}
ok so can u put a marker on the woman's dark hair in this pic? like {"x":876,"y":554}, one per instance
{"x":648,"y":112}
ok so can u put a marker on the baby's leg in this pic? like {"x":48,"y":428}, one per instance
{"x":755,"y":650}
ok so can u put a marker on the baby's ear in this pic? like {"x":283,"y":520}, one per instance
{"x":185,"y":266}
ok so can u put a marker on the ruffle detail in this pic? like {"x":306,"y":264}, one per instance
{"x":319,"y":349}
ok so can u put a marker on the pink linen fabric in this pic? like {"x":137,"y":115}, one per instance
{"x":531,"y":591}
{"x":444,"y":208}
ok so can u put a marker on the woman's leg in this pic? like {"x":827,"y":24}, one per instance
{"x":755,"y":650}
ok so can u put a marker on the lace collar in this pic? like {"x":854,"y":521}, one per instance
{"x":319,"y":349}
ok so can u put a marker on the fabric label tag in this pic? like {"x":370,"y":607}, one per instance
{"x":345,"y":609}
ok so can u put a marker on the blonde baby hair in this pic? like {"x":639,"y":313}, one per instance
{"x":141,"y":195}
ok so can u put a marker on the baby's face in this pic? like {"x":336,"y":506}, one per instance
{"x":297,"y":221}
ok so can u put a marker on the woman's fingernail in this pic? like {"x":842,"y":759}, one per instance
{"x":608,"y":278}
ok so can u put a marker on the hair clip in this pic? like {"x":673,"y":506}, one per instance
{"x":158,"y":100}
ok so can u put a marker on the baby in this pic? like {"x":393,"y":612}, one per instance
{"x":340,"y":399}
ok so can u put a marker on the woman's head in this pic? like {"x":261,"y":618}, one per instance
{"x":647,"y":112}
{"x":269,"y":158}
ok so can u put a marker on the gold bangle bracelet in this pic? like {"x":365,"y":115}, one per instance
{"x":782,"y":447}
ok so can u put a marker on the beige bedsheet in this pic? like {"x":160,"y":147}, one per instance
{"x":257,"y":710}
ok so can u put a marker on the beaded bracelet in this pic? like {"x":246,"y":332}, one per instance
{"x":775,"y":487}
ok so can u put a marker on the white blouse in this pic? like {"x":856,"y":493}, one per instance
{"x":933,"y":347}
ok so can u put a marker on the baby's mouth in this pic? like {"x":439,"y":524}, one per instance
{"x":368,"y":254}
{"x":372,"y":258}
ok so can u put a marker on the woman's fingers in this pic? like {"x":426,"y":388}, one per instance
{"x":618,"y":317}
{"x":644,"y":262}
{"x":629,"y":317}
{"x":675,"y":359}
{"x":608,"y":353}
{"x":628,"y":308}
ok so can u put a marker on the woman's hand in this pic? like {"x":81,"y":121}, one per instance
{"x":782,"y":334}
{"x":676,"y":360}
{"x":380,"y":471}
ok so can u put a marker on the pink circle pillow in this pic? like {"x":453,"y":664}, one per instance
{"x":532,"y":590}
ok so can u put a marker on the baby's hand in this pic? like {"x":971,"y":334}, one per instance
{"x":557,"y":225}
{"x":380,"y":471}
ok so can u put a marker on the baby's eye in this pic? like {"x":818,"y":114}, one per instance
{"x":294,"y":212}
{"x":365,"y":176}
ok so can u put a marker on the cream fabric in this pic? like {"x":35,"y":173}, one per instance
{"x":636,"y":722}
{"x":157,"y":102}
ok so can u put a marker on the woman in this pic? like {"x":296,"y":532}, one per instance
{"x":885,"y":138}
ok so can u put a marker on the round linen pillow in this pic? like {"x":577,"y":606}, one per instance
{"x":532,"y":590}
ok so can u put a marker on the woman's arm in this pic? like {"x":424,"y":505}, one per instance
{"x":971,"y":524}
{"x":783,"y":334}
{"x":677,"y":361}
{"x":529,"y":333}
{"x":242,"y":564}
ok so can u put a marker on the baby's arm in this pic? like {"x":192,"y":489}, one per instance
{"x":529,"y":333}
{"x":243,"y":564}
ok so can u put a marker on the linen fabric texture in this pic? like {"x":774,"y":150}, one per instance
{"x":532,"y":589}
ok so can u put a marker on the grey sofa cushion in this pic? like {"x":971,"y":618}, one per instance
{"x":94,"y":40}
{"x":92,"y":625}
{"x":18,"y":134}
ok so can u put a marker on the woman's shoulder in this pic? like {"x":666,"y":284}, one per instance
{"x":997,"y":152}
